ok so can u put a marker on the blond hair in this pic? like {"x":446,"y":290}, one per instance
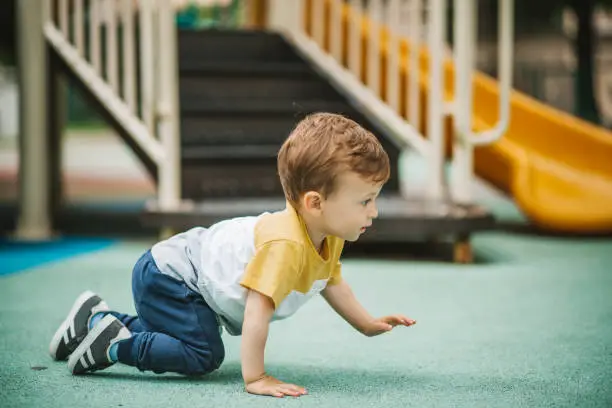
{"x":321,"y":147}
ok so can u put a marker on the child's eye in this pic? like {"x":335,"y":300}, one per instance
{"x":366,"y":202}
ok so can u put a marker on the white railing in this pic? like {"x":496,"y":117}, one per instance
{"x":144,"y":102}
{"x":408,"y":38}
{"x":465,"y":24}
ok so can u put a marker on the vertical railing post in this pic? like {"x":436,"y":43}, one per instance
{"x":286,"y":15}
{"x":111,"y":54}
{"x":393,"y":53}
{"x":373,"y":52}
{"x":95,"y":15}
{"x":317,"y":21}
{"x":465,"y":42}
{"x":354,"y":40}
{"x":414,"y":33}
{"x":147,"y":63}
{"x":466,"y":21}
{"x":435,"y":109}
{"x":169,"y":185}
{"x":129,"y":54}
{"x":77,"y":27}
{"x":335,"y":29}
{"x":34,"y":219}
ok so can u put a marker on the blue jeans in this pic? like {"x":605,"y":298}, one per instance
{"x":174,"y":331}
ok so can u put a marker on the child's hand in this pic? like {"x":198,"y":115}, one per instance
{"x":387,"y":323}
{"x":268,"y":385}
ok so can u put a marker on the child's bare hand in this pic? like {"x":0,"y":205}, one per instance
{"x":271,"y":386}
{"x":387,"y":323}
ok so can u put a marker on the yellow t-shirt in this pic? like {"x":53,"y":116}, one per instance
{"x":270,"y":253}
{"x":286,"y":266}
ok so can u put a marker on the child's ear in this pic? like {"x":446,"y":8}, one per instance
{"x":312,"y":201}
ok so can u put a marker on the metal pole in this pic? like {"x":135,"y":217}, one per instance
{"x":34,"y":201}
{"x":169,"y":190}
{"x":435,"y":110}
{"x":465,"y":36}
{"x":414,"y":33}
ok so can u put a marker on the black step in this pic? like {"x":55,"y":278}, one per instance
{"x":248,"y":176}
{"x":241,"y":95}
{"x":233,"y":45}
{"x":251,"y":69}
{"x":239,"y":127}
{"x":296,"y":107}
{"x":244,"y":86}
{"x":219,"y":152}
{"x":215,"y":178}
{"x":235,"y":129}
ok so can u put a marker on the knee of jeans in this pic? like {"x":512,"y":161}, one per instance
{"x":206,"y":362}
{"x":218,"y":355}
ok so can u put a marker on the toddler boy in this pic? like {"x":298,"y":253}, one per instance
{"x":243,"y":273}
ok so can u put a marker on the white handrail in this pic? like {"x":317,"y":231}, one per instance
{"x":116,"y":106}
{"x":154,"y":127}
{"x":506,"y":19}
{"x":402,"y":131}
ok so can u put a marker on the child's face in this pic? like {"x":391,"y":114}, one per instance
{"x":350,"y":209}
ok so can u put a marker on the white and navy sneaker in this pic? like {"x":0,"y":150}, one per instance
{"x":93,"y":352}
{"x":76,"y":326}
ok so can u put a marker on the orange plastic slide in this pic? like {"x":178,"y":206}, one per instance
{"x":557,"y":167}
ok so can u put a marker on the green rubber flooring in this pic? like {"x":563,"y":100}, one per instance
{"x":530,"y":325}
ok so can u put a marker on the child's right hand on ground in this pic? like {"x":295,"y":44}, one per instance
{"x":268,"y":385}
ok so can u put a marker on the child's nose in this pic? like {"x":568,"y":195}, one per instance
{"x":374,"y":212}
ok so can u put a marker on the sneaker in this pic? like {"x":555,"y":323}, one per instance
{"x":76,"y":326}
{"x":92,"y":353}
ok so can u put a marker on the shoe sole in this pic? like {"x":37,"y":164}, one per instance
{"x":80,"y":351}
{"x":59,"y":334}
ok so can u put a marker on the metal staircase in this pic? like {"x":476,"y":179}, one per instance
{"x":241,"y":92}
{"x":207,"y":110}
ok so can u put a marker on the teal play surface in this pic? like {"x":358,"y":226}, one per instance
{"x":528,"y":325}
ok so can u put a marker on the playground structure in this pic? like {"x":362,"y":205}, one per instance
{"x":389,"y":59}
